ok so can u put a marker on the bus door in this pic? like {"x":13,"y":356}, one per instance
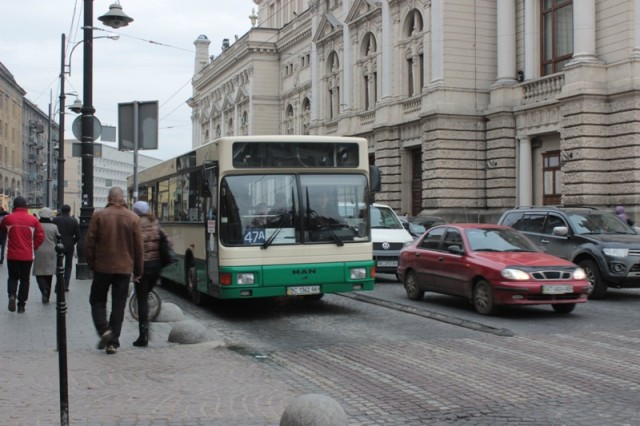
{"x":210,"y":196}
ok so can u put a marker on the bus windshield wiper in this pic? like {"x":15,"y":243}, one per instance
{"x":335,"y":236}
{"x":273,"y":236}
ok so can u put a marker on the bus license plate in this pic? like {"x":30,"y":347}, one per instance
{"x":308,"y":289}
{"x":556,"y":289}
{"x":387,"y":263}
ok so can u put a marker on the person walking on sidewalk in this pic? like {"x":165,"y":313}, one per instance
{"x":3,"y":235}
{"x":24,"y":236}
{"x":114,"y":251}
{"x":151,"y":237}
{"x":70,"y":233}
{"x":44,"y":264}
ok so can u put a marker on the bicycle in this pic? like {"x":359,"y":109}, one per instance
{"x":153,"y":300}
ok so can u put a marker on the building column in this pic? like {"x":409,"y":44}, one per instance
{"x":636,"y":30}
{"x":525,"y":172}
{"x":315,"y":86}
{"x":437,"y":41}
{"x":506,"y":41}
{"x":387,"y":56}
{"x":251,"y":89}
{"x":584,"y":32}
{"x":347,"y":63}
{"x":531,"y":37}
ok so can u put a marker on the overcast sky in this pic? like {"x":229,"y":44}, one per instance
{"x":152,"y":60}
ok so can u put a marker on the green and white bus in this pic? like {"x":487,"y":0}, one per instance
{"x":266,"y":216}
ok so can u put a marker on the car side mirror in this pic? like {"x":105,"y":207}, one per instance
{"x":456,"y":250}
{"x":561,"y":231}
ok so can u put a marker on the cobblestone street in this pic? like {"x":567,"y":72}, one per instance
{"x":561,"y":379}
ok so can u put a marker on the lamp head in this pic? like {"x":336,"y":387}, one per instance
{"x":115,"y":17}
{"x":76,"y":106}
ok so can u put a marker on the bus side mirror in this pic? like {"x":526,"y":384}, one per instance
{"x":374,"y":177}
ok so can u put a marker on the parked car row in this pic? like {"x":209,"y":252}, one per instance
{"x":533,"y":256}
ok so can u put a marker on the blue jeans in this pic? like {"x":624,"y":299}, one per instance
{"x":98,"y":300}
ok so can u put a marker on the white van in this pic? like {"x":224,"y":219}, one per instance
{"x":389,"y":237}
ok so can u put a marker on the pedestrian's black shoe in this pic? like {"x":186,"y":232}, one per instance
{"x":21,"y":309}
{"x":45,"y":297}
{"x":12,"y":303}
{"x":143,"y":339}
{"x":104,"y":339}
{"x":111,"y":349}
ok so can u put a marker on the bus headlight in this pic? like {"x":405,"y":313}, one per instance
{"x":358,"y":273}
{"x":246,"y":278}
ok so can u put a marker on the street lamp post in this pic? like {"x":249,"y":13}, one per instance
{"x":115,"y":18}
{"x":61,"y":127}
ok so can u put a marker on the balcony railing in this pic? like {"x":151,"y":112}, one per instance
{"x":412,"y":105}
{"x":542,"y":89}
{"x":367,"y":118}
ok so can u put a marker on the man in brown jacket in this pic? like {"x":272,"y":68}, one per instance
{"x":114,"y":251}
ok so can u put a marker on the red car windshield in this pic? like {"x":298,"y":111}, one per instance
{"x":498,"y":239}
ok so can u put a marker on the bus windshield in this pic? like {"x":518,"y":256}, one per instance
{"x":276,"y":209}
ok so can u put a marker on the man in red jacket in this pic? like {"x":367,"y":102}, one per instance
{"x":24,"y":236}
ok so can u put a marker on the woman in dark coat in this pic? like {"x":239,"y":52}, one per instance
{"x":152,"y":266}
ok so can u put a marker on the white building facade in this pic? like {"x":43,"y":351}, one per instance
{"x":470,"y":107}
{"x":110,"y":168}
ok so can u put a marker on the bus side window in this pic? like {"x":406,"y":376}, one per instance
{"x":230,"y":222}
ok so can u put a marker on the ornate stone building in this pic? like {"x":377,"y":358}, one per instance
{"x":11,"y":136}
{"x":470,"y":106}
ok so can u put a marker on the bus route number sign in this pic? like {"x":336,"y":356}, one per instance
{"x":254,"y":236}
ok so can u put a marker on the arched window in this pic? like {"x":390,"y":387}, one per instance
{"x":413,"y":25}
{"x":306,"y":116}
{"x":413,"y":31}
{"x":230,"y":131}
{"x":244,"y":123}
{"x":289,"y":121}
{"x":333,"y":86}
{"x":369,"y":70}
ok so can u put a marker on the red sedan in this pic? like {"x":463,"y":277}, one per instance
{"x":491,"y":265}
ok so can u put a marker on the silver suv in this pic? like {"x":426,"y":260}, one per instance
{"x":605,"y":247}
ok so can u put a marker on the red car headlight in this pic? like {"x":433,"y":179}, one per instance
{"x":515,"y":274}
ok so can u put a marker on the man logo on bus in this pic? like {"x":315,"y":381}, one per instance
{"x":386,"y":246}
{"x":303,"y":271}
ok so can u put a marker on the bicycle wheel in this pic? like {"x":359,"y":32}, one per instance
{"x":155,"y":303}
{"x":133,"y":306}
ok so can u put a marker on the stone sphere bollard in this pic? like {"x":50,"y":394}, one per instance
{"x":313,"y":410}
{"x":189,"y":332}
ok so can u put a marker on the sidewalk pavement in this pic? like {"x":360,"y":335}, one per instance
{"x":164,"y":384}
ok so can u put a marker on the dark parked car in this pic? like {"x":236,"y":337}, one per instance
{"x":416,"y":225}
{"x":490,"y":265}
{"x":605,"y":247}
{"x":415,"y":229}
